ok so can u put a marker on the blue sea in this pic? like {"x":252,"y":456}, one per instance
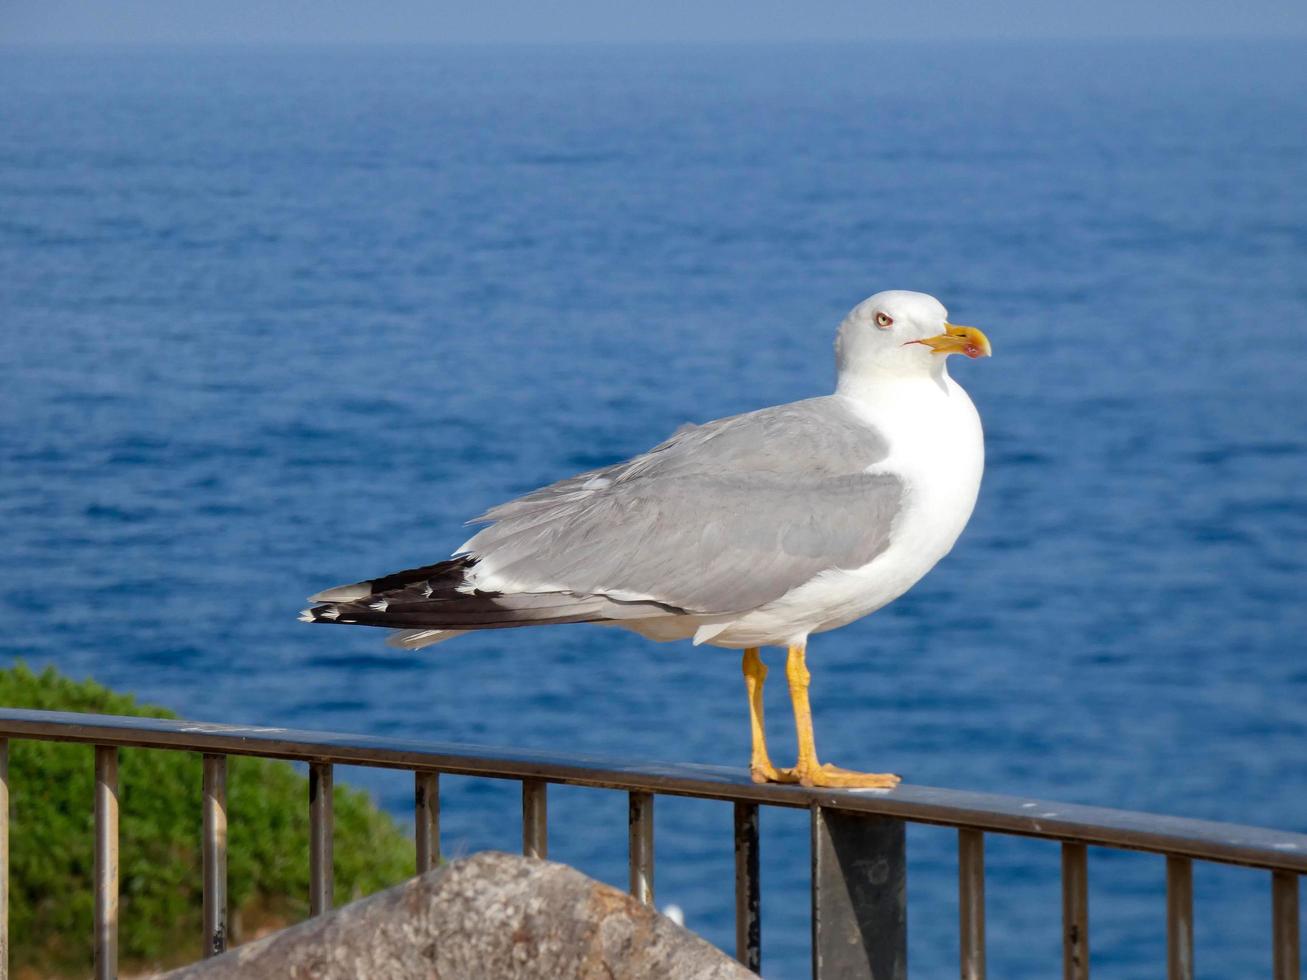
{"x":279,"y":318}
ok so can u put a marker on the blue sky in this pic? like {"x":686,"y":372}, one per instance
{"x":239,"y":21}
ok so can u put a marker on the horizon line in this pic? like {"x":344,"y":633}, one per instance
{"x":198,"y":42}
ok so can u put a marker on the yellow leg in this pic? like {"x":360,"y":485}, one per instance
{"x":755,"y":673}
{"x":808,"y":771}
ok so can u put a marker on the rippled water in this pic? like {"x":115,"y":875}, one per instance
{"x":275,"y":319}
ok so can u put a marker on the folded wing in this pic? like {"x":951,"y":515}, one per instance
{"x":721,"y":518}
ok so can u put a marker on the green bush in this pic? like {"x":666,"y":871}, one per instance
{"x":52,"y":840}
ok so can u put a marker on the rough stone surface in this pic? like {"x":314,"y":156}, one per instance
{"x":486,"y":917}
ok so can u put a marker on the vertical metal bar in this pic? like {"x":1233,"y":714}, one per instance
{"x":642,"y":846}
{"x":1075,"y":912}
{"x":748,"y":891}
{"x":859,"y":896}
{"x":215,"y":854}
{"x":106,"y":862}
{"x":426,"y":813}
{"x":1284,"y":926}
{"x":1179,"y":918}
{"x":320,"y":834}
{"x":971,"y":903}
{"x":4,"y":859}
{"x":535,"y":818}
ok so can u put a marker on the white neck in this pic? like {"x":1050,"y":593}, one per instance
{"x":872,"y":385}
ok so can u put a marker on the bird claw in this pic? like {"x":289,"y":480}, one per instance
{"x":833,"y":777}
{"x":765,"y":772}
{"x":836,"y":778}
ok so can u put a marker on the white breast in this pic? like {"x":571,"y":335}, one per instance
{"x":937,"y":449}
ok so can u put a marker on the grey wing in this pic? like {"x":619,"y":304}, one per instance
{"x":721,"y":518}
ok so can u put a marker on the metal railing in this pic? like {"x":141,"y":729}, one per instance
{"x":859,"y":871}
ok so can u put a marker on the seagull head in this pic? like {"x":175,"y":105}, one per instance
{"x":902,"y":333}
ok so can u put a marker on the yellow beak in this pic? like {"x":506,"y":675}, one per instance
{"x":958,"y":340}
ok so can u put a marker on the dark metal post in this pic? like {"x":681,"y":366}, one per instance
{"x":215,"y":855}
{"x":426,"y":813}
{"x":1179,"y":918}
{"x":642,"y":846}
{"x":106,"y":862}
{"x":748,"y":892}
{"x":4,"y":859}
{"x":1075,"y":912}
{"x":971,"y":903}
{"x":535,"y":818}
{"x":320,"y":834}
{"x":859,"y":896}
{"x":1286,"y":960}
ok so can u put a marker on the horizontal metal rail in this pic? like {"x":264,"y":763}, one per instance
{"x":1175,"y":836}
{"x":859,"y":876}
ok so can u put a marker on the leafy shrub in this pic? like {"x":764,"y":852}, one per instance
{"x":52,"y":840}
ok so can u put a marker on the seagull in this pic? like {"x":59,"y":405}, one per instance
{"x":755,"y":530}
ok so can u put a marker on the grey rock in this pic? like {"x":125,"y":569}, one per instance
{"x":486,"y":917}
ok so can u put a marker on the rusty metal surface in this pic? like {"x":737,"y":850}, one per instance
{"x":1230,"y":843}
{"x":1075,"y":912}
{"x":748,"y":888}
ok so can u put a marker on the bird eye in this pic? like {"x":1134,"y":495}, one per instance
{"x":884,"y":321}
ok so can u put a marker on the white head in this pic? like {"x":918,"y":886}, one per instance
{"x":899,"y":333}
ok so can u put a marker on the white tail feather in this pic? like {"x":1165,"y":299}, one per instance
{"x":416,"y":639}
{"x":709,"y":630}
{"x":344,"y":593}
